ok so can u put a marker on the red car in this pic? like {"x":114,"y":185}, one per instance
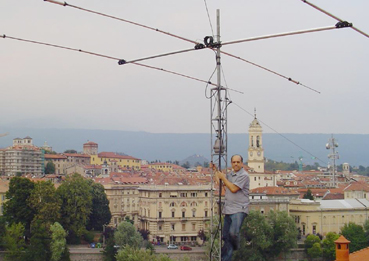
{"x":186,"y":248}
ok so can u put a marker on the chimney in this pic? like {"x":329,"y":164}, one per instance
{"x":342,"y":249}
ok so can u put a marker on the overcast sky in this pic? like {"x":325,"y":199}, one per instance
{"x":42,"y":86}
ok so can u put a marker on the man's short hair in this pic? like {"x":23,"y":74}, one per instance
{"x":237,"y":155}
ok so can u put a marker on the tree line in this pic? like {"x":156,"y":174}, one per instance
{"x":317,"y":246}
{"x":34,"y":210}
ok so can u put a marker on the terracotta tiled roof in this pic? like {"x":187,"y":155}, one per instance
{"x":90,"y":143}
{"x":92,"y":166}
{"x":77,"y":155}
{"x":55,"y":156}
{"x":360,"y":255}
{"x":331,"y":196}
{"x":114,"y":155}
{"x":357,"y":186}
{"x":274,"y":191}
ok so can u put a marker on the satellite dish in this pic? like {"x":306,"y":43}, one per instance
{"x":327,"y":146}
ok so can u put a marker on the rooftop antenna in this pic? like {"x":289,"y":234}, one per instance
{"x":333,"y":156}
{"x":219,"y":100}
{"x":218,"y":109}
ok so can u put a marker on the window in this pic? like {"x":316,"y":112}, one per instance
{"x":183,"y":214}
{"x":172,"y":214}
{"x":172,"y":204}
{"x":184,"y":195}
{"x":206,"y":213}
{"x":194,"y":194}
{"x":160,"y":195}
{"x":193,"y":227}
{"x":206,"y":194}
{"x":173,"y":227}
{"x":159,"y":228}
{"x":183,"y":227}
{"x":159,"y":214}
{"x":193,"y":213}
{"x":254,"y":178}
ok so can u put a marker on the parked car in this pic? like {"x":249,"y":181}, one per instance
{"x":171,"y":246}
{"x":186,"y":248}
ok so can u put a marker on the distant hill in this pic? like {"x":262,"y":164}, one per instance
{"x":170,"y":146}
{"x":194,"y":160}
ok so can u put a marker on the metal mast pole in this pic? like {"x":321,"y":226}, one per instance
{"x":219,"y":150}
{"x":332,"y":144}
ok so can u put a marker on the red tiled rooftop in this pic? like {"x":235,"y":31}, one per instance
{"x":55,"y":156}
{"x":114,"y":155}
{"x":77,"y":155}
{"x":90,"y":143}
{"x":274,"y":191}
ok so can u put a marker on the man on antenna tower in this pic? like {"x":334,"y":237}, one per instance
{"x":236,"y":207}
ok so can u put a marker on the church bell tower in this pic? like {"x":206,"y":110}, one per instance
{"x":256,"y":151}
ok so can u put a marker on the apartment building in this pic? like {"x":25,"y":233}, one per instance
{"x":21,"y":158}
{"x":325,"y":216}
{"x":68,"y":163}
{"x":112,"y":158}
{"x":174,"y":213}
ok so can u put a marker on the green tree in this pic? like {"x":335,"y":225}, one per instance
{"x":366,"y":229}
{"x":329,"y":247}
{"x":308,"y":195}
{"x":44,"y":202}
{"x":100,"y":214}
{"x":126,"y":234}
{"x":16,"y":209}
{"x":2,"y":231}
{"x":110,"y":250}
{"x":39,"y":247}
{"x":284,"y":232}
{"x":256,"y":238}
{"x":76,"y":204}
{"x":129,"y":253}
{"x":58,"y":245}
{"x":355,"y":233}
{"x":14,"y":242}
{"x":50,"y":167}
{"x":70,"y":151}
{"x":127,"y":219}
{"x":315,"y":251}
{"x":144,"y":233}
{"x":186,"y":165}
{"x":310,"y":241}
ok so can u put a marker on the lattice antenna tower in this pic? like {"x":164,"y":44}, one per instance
{"x":218,"y":133}
{"x":219,"y":100}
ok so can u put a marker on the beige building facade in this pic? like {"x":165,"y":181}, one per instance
{"x":123,"y":203}
{"x":325,"y":216}
{"x":174,"y":213}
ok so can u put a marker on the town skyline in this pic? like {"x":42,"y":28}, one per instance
{"x":57,"y":88}
{"x":170,"y":146}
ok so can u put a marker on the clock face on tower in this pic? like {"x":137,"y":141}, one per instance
{"x":259,"y":153}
